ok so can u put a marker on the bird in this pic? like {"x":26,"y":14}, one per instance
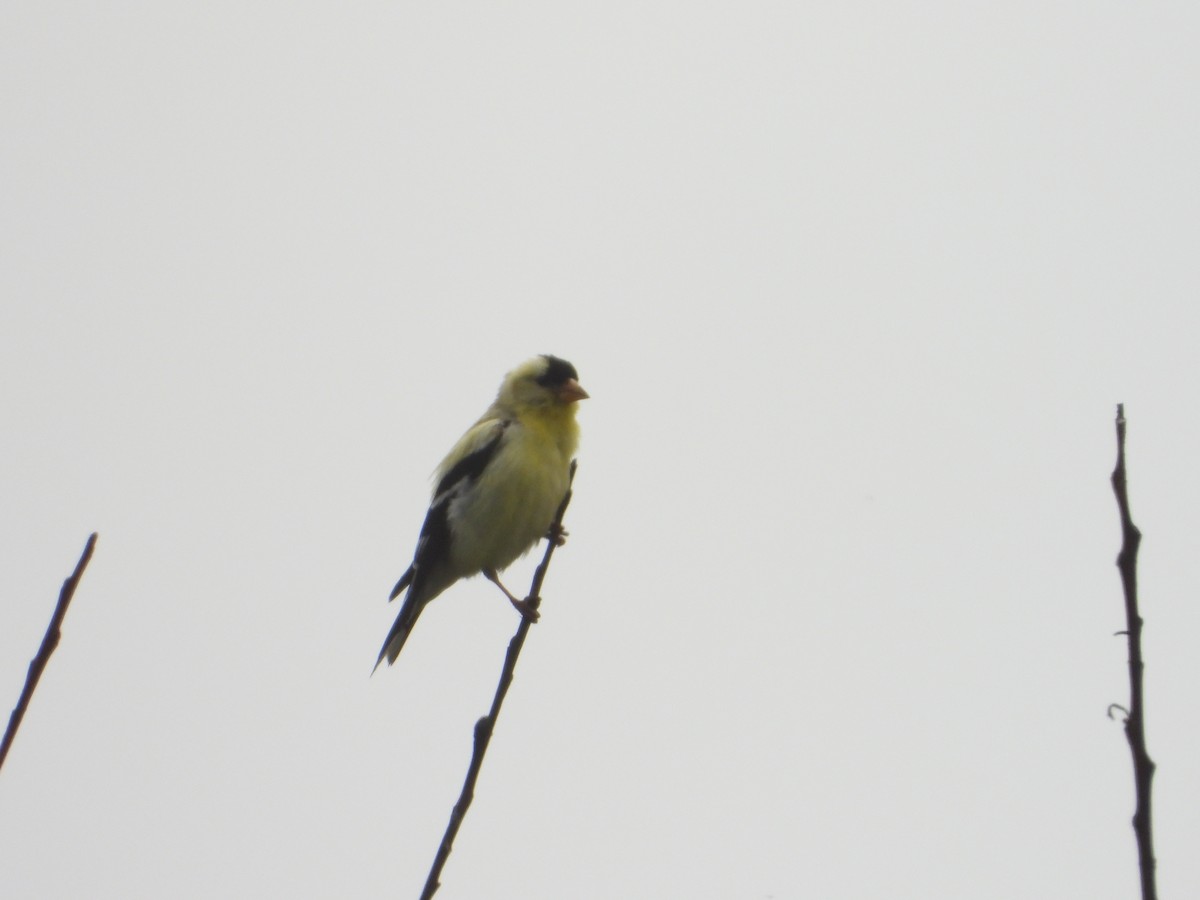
{"x":496,"y":492}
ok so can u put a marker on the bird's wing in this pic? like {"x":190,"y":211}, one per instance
{"x":431,"y":571}
{"x":458,"y":472}
{"x":461,"y":466}
{"x":471,"y":455}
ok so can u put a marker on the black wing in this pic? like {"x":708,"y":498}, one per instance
{"x":427,"y":576}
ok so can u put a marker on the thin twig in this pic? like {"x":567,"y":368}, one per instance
{"x":49,"y":642}
{"x":1135,"y":720}
{"x":485,"y":726}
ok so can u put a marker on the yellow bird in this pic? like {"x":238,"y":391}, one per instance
{"x":497,"y":490}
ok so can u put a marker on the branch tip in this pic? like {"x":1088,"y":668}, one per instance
{"x":1135,"y":717}
{"x":49,"y":642}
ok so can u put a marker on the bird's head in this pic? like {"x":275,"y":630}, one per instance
{"x":543,"y":383}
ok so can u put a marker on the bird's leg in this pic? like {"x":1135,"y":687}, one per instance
{"x":556,"y":534}
{"x":524,"y":607}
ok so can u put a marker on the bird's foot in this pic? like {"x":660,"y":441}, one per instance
{"x":526,"y":608}
{"x":556,"y":534}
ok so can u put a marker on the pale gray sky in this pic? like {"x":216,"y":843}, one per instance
{"x":855,"y":289}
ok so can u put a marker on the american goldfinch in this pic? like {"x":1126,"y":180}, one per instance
{"x":497,"y":490}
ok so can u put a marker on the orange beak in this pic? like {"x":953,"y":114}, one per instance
{"x":571,"y":391}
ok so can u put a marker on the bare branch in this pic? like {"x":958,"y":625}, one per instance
{"x":1135,"y":720}
{"x":486,"y":725}
{"x":49,"y":643}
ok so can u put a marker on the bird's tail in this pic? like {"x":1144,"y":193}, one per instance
{"x":399,"y":634}
{"x":413,"y":604}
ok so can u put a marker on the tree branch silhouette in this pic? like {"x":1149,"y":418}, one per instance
{"x":486,"y":725}
{"x":49,"y":643}
{"x":1135,"y":718}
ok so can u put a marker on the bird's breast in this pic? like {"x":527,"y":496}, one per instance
{"x":511,"y":504}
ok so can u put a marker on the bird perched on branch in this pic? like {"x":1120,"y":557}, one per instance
{"x":497,"y":490}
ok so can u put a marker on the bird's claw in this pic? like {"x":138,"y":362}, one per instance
{"x":526,"y":608}
{"x":556,"y":534}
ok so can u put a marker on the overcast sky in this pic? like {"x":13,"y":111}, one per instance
{"x":855,"y":289}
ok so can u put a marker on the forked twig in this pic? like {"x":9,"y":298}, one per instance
{"x":1135,"y":718}
{"x":49,"y":642}
{"x":485,"y":726}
